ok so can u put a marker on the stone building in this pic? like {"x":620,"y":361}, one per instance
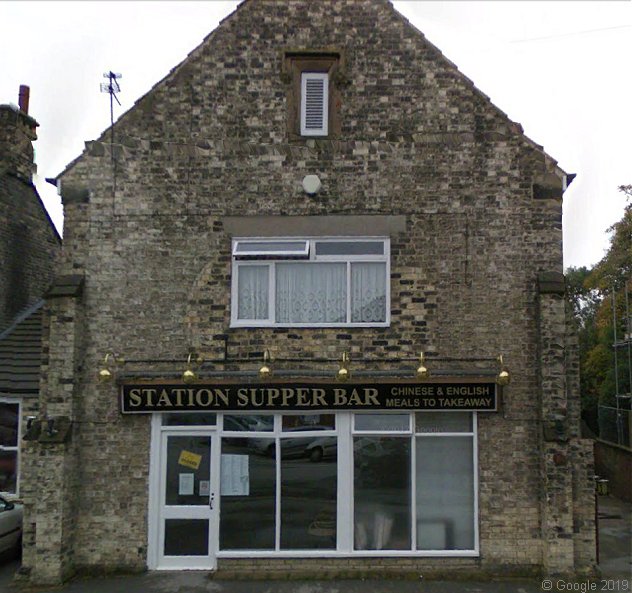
{"x":29,"y":244}
{"x":256,"y":261}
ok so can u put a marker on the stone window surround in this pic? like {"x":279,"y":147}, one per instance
{"x":295,"y":62}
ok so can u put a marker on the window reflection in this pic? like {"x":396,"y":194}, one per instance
{"x":308,"y":504}
{"x":382,"y":422}
{"x":9,"y":424}
{"x":248,"y":423}
{"x":445,"y":493}
{"x":443,"y":422}
{"x":186,"y":537}
{"x":8,"y":467}
{"x":247,"y":520}
{"x":294,"y":422}
{"x":383,"y":476}
{"x":188,"y":470}
{"x":188,"y":419}
{"x":382,"y":488}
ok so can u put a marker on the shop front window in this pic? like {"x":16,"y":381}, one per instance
{"x":445,"y":481}
{"x":348,"y":483}
{"x":381,"y":485}
{"x":445,"y":493}
{"x":248,"y":510}
{"x":414,"y":488}
{"x":308,"y":503}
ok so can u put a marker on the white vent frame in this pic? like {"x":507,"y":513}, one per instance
{"x":323,"y":128}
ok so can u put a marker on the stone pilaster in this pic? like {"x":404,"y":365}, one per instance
{"x":50,"y":506}
{"x":557,"y":486}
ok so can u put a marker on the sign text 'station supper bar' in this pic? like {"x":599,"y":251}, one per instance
{"x":152,"y":397}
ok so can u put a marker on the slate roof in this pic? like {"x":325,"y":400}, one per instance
{"x":21,"y":353}
{"x":17,"y":191}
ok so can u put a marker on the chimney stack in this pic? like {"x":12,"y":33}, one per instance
{"x":18,"y":131}
{"x":23,"y":100}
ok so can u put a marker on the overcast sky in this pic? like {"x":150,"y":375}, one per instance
{"x":560,"y":68}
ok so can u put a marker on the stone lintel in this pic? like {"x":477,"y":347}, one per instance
{"x":314,"y":226}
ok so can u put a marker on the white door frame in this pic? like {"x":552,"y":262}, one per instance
{"x":158,"y":511}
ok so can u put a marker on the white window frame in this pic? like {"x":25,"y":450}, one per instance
{"x":324,"y":129}
{"x":16,"y":448}
{"x":302,"y":252}
{"x":345,"y":515}
{"x":270,"y":259}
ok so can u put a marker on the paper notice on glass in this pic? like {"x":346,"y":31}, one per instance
{"x":204,"y":488}
{"x":189,"y":459}
{"x":235,"y":478}
{"x":186,"y":482}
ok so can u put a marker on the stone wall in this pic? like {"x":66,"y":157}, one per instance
{"x":417,"y":139}
{"x":614,"y":462}
{"x":29,"y":242}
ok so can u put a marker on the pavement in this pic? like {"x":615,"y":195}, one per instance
{"x":615,"y":547}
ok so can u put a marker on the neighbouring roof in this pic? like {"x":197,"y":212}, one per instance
{"x":21,"y":353}
{"x":17,"y":191}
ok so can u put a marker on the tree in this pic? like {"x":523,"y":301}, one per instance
{"x":615,"y":269}
{"x":585,"y":303}
{"x":584,"y":300}
{"x":590,"y":293}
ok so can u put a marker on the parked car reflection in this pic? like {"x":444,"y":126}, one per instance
{"x":10,"y":526}
{"x":322,"y":448}
{"x":295,"y":447}
{"x":239,"y":423}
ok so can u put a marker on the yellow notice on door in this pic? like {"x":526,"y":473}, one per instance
{"x":189,"y":459}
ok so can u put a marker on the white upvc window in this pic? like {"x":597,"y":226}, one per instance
{"x":9,"y":444}
{"x":315,"y":282}
{"x":314,"y":103}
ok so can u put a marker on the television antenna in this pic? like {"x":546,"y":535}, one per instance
{"x":112,"y":87}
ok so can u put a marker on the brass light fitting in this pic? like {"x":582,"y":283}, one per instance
{"x":265,"y":371}
{"x":189,"y":375}
{"x":503,"y":377}
{"x":105,"y":372}
{"x":422,"y":371}
{"x":343,"y":373}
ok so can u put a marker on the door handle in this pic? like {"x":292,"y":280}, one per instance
{"x":210,"y":502}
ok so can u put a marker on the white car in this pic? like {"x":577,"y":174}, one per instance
{"x":10,"y":525}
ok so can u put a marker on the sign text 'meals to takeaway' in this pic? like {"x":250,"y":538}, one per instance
{"x":278,"y":396}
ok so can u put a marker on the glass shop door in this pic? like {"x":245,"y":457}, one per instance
{"x":189,"y":499}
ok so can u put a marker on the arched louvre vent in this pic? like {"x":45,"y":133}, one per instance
{"x":314,"y":103}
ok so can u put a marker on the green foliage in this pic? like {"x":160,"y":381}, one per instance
{"x":616,"y":266}
{"x":584,"y":300}
{"x":590,"y":294}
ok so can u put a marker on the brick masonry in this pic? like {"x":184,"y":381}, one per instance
{"x":145,"y":226}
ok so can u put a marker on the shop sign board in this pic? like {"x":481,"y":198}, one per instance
{"x":219,"y":396}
